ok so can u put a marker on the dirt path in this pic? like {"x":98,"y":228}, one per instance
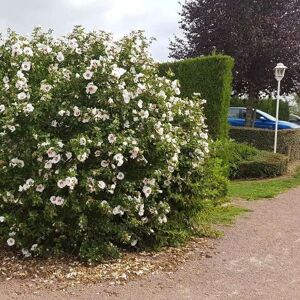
{"x":259,"y":258}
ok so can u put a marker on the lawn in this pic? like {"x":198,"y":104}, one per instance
{"x":221,"y":215}
{"x":259,"y":189}
{"x":216,"y":215}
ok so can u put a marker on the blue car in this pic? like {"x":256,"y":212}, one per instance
{"x":236,"y":117}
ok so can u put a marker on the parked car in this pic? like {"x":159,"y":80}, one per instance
{"x":294,"y":119}
{"x":236,"y":117}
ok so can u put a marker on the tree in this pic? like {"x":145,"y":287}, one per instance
{"x":257,"y":33}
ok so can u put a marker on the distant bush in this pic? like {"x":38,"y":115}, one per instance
{"x":245,"y":161}
{"x":263,"y":139}
{"x":99,"y":153}
{"x":236,"y":153}
{"x":210,"y":76}
{"x":264,"y":165}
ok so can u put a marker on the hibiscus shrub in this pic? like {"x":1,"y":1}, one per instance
{"x":98,"y":152}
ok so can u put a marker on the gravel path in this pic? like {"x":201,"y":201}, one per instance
{"x":258,"y":258}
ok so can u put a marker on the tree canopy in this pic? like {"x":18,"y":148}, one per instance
{"x":257,"y":33}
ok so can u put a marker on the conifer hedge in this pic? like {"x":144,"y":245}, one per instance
{"x":211,"y":76}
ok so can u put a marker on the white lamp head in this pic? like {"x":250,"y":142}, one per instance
{"x":280,"y":71}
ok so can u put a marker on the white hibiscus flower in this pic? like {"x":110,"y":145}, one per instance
{"x":61,"y":184}
{"x":73,"y":43}
{"x":59,"y":200}
{"x":126,"y":96}
{"x":118,"y":72}
{"x":147,"y":191}
{"x":34,"y":247}
{"x":16,"y":49}
{"x":28,"y":108}
{"x":118,"y":211}
{"x":71,"y":182}
{"x":10,"y":242}
{"x":48,"y":165}
{"x":111,"y":138}
{"x":91,"y":88}
{"x":40,"y":188}
{"x":60,"y":57}
{"x":26,"y":65}
{"x":22,"y":96}
{"x":118,"y":156}
{"x":104,"y":203}
{"x":97,"y":153}
{"x":171,"y":169}
{"x":15,"y":162}
{"x":82,"y":157}
{"x":53,"y":199}
{"x":88,"y":74}
{"x":82,"y":141}
{"x":101,"y":184}
{"x":140,"y":103}
{"x":134,"y":152}
{"x":28,"y":51}
{"x":56,"y":159}
{"x":133,"y":243}
{"x":104,"y":163}
{"x":30,"y":182}
{"x":51,"y":152}
{"x":46,"y":88}
{"x":76,"y":111}
{"x":120,"y":176}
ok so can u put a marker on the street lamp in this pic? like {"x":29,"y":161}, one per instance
{"x":279,"y":74}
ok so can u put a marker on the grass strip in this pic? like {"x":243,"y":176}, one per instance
{"x":261,"y":189}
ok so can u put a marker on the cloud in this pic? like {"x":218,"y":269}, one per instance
{"x":119,"y":10}
{"x":80,"y":3}
{"x":157,"y":17}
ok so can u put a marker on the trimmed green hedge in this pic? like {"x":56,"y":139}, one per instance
{"x":211,"y":76}
{"x":263,"y":165}
{"x":268,"y":106}
{"x":245,"y":161}
{"x":234,"y":154}
{"x":288,"y":140}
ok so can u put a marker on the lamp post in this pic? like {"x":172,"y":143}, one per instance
{"x":279,"y":74}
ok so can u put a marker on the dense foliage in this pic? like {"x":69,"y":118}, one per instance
{"x":98,"y":152}
{"x":245,"y":161}
{"x":263,"y":165}
{"x":210,"y":76}
{"x":257,"y":34}
{"x":263,"y":139}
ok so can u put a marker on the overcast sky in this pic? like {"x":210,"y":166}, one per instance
{"x":159,"y":18}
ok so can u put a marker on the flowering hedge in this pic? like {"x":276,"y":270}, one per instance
{"x":95,"y":147}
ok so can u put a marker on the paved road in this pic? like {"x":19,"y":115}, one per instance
{"x":258,"y":258}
